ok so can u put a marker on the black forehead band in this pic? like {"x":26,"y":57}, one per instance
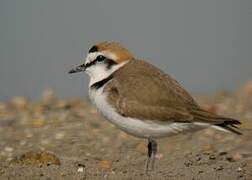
{"x":93,"y":49}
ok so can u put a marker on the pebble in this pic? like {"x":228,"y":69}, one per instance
{"x":8,"y":149}
{"x":219,"y":168}
{"x":29,"y":135}
{"x":59,"y":135}
{"x":37,"y":158}
{"x":105,"y":164}
{"x":230,"y":159}
{"x":200,"y":171}
{"x":241,"y":175}
{"x":222,"y":153}
{"x":22,"y":142}
{"x":239,"y":169}
{"x":198,"y":158}
{"x":188,"y":163}
{"x":80,"y":169}
{"x":212,"y":157}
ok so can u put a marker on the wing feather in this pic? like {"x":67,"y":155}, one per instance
{"x":140,"y":90}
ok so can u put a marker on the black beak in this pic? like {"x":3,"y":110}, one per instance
{"x":78,"y":69}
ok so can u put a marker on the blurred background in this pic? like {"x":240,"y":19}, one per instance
{"x":48,"y":128}
{"x":204,"y":44}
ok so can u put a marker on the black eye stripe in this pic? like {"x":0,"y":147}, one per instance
{"x":94,"y":61}
{"x":109,"y":62}
{"x":90,"y":63}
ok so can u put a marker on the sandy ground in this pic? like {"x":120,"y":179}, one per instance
{"x":69,"y":139}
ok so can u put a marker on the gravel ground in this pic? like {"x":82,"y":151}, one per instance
{"x":69,"y":139}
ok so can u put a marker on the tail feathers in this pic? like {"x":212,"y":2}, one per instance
{"x":219,"y":122}
{"x":229,"y":125}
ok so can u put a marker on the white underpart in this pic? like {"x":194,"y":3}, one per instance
{"x":136,"y":127}
{"x":98,"y":71}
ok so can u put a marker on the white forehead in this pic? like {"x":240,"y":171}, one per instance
{"x":92,"y":56}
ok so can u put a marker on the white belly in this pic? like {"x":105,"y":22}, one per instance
{"x":133,"y":126}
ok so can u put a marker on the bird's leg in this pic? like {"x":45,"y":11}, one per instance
{"x":152,"y":150}
{"x":148,"y":156}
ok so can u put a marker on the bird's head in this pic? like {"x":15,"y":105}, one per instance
{"x":103,"y":59}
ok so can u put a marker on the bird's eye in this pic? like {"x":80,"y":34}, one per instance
{"x":100,"y":58}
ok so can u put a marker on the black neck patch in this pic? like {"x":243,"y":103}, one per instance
{"x":101,"y":83}
{"x":93,"y":49}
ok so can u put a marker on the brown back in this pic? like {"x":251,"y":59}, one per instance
{"x":141,"y":90}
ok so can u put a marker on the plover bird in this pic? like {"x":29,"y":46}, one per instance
{"x":142,"y":100}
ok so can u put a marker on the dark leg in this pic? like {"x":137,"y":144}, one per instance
{"x":148,"y":156}
{"x":152,"y":150}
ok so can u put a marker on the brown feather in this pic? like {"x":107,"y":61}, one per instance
{"x":140,"y":90}
{"x":117,"y":49}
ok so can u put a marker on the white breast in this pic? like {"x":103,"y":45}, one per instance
{"x":136,"y":127}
